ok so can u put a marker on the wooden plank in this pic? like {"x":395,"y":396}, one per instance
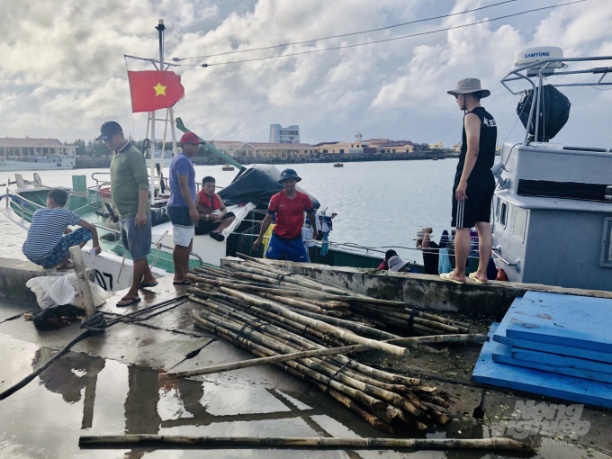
{"x":564,"y":320}
{"x":487,"y":371}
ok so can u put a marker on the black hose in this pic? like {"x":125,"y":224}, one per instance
{"x":95,"y":324}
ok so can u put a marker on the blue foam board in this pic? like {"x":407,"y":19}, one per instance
{"x":504,"y":354}
{"x":563,"y":320}
{"x":500,"y":337}
{"x":560,"y":361}
{"x":487,"y":371}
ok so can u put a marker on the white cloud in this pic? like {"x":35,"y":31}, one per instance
{"x":63,"y":70}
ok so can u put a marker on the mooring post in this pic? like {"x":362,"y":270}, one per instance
{"x":84,"y":287}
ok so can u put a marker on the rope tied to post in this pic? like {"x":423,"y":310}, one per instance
{"x":95,"y":324}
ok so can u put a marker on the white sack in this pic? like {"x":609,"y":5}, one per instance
{"x":57,"y":290}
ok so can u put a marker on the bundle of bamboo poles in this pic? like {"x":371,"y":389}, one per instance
{"x":273,"y":313}
{"x":298,"y":291}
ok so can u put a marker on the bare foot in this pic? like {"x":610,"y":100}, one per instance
{"x":66,"y":264}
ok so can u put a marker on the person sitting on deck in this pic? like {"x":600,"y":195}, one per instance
{"x":214,"y":216}
{"x":385,"y":263}
{"x":49,"y":238}
{"x":396,"y":264}
{"x":431,"y":251}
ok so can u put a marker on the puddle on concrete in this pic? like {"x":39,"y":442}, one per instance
{"x":88,"y":395}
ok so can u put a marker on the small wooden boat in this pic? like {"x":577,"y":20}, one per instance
{"x":228,"y":167}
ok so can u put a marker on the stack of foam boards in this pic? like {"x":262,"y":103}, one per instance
{"x":554,"y":345}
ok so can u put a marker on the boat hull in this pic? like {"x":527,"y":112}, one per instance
{"x":39,"y":165}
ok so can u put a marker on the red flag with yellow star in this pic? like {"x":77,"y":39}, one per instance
{"x":154,"y":89}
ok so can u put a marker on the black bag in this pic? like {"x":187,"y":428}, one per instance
{"x":552,"y":116}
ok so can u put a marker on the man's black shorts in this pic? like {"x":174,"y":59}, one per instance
{"x":475,"y":208}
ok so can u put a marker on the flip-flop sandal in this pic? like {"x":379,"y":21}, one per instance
{"x":446,"y":277}
{"x":183,"y":282}
{"x":128,"y":301}
{"x":148,"y":284}
{"x":475,"y":279}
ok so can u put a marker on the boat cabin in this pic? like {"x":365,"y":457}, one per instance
{"x":552,"y":209}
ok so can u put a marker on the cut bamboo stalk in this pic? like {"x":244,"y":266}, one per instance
{"x":312,"y":353}
{"x":336,"y":331}
{"x":363,"y":412}
{"x":182,"y":442}
{"x":404,"y":404}
{"x":383,"y":410}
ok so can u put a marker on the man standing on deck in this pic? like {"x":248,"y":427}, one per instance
{"x":474,"y":183}
{"x":181,"y":206}
{"x":289,"y":206}
{"x":130,"y":193}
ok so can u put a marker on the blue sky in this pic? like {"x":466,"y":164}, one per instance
{"x":64,"y":72}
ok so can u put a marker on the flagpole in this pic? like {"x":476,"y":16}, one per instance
{"x":160,"y":29}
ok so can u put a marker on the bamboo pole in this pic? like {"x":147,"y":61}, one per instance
{"x":409,"y":404}
{"x":382,"y":409}
{"x":335,"y":331}
{"x":183,"y":442}
{"x":316,"y":353}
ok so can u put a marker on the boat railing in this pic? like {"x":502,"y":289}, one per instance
{"x":25,"y":207}
{"x":157,"y":245}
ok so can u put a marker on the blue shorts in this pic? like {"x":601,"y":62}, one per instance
{"x":62,"y":249}
{"x":136,"y":240}
{"x":290,"y":249}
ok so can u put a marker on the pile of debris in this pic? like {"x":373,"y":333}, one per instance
{"x":271,"y":312}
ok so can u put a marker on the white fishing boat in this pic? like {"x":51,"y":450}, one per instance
{"x":553,"y":204}
{"x":39,"y":163}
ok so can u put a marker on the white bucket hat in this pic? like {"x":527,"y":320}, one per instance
{"x":396,"y":263}
{"x":469,"y":86}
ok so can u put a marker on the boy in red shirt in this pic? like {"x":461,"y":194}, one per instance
{"x":289,"y":206}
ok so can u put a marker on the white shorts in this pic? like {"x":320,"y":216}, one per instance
{"x":182,"y":235}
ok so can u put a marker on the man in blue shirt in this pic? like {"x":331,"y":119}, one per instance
{"x":182,"y":206}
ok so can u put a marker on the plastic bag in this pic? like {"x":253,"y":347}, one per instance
{"x":53,"y":291}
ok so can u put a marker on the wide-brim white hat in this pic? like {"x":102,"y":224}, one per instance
{"x":469,"y":86}
{"x":396,"y":263}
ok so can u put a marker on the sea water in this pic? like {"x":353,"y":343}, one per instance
{"x":379,"y":204}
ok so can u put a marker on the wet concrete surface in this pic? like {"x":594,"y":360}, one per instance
{"x":108,"y":384}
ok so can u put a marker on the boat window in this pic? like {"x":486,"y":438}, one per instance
{"x":503,"y":214}
{"x":519,"y":224}
{"x":606,"y":244}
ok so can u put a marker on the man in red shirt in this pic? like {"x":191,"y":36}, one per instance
{"x":289,"y":206}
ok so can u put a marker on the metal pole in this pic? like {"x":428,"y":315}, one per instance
{"x":160,"y":29}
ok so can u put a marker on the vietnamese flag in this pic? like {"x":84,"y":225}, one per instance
{"x":154,"y":89}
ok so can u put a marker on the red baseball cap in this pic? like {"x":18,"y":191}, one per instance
{"x":190,"y":137}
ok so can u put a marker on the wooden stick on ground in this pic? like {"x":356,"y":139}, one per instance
{"x":184,"y":442}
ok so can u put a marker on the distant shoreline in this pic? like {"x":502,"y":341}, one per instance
{"x":97,"y":163}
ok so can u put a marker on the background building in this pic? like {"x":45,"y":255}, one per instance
{"x":279,"y":134}
{"x":29,"y":149}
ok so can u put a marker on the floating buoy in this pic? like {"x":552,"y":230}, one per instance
{"x":501,"y":275}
